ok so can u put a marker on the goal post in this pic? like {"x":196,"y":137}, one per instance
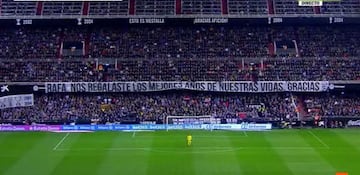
{"x":202,"y":119}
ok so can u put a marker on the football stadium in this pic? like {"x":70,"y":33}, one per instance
{"x":180,"y":87}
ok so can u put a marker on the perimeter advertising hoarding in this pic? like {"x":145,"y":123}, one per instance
{"x":30,"y":128}
{"x":241,"y":127}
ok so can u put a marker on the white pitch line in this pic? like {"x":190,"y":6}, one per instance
{"x":246,"y":135}
{"x":61,"y":141}
{"x":101,"y":149}
{"x":133,"y":135}
{"x":321,"y":141}
{"x":177,"y":149}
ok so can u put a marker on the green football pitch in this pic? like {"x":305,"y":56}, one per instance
{"x":276,"y":152}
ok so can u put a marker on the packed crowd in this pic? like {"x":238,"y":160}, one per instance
{"x":151,"y":107}
{"x":29,"y":43}
{"x":179,"y":42}
{"x":154,"y":107}
{"x":186,"y":42}
{"x":178,"y":53}
{"x":181,"y":69}
{"x":334,"y":105}
{"x":328,"y":41}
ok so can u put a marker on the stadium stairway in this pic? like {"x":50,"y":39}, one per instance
{"x":316,"y":9}
{"x":271,"y":49}
{"x":85,"y":8}
{"x":300,"y":105}
{"x":178,"y":7}
{"x":61,"y":39}
{"x":87,"y":45}
{"x":224,"y":7}
{"x":270,"y":6}
{"x":132,"y":7}
{"x":39,"y":8}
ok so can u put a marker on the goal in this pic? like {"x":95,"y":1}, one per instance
{"x":202,"y":119}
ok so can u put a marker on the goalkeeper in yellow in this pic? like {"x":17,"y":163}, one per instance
{"x":188,"y":139}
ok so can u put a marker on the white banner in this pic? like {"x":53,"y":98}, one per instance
{"x":225,"y":86}
{"x":354,"y":123}
{"x":146,"y":20}
{"x":211,"y":20}
{"x":310,"y":3}
{"x":13,"y":101}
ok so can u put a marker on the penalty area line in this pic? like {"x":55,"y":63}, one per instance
{"x":61,"y":141}
{"x":318,"y":139}
{"x":133,"y":135}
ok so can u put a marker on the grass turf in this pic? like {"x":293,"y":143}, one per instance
{"x":277,"y":152}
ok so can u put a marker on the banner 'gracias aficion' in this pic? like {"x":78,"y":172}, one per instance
{"x":225,"y":86}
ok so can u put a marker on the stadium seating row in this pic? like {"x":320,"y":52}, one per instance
{"x":177,"y":42}
{"x":183,"y":69}
{"x":169,"y":7}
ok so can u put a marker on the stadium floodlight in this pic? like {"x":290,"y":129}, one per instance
{"x":202,"y":119}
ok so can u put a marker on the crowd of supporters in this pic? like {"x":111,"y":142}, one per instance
{"x":131,"y":107}
{"x":189,"y":42}
{"x":328,"y":41}
{"x":29,"y":43}
{"x":152,"y":107}
{"x":334,"y":105}
{"x":296,"y":69}
{"x":201,"y":53}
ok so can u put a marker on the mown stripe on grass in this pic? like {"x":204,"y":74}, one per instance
{"x":126,"y":161}
{"x":40,"y":158}
{"x":3,"y":135}
{"x":342,"y":155}
{"x":15,"y":146}
{"x":259,"y":161}
{"x":351,"y":135}
{"x":299,"y":161}
{"x":221,"y":158}
{"x":83,"y":162}
{"x":165,"y":163}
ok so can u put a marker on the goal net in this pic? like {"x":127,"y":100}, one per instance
{"x":203,"y":119}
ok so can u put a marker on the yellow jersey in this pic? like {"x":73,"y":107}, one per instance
{"x":189,"y":138}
